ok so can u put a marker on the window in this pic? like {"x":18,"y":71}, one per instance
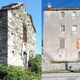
{"x":62,"y":28}
{"x":62,"y":43}
{"x":24,"y":33}
{"x":63,"y":14}
{"x":74,"y":27}
{"x":73,"y":14}
{"x":78,"y":43}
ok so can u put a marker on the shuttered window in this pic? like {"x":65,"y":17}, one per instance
{"x":78,"y":43}
{"x":62,"y":43}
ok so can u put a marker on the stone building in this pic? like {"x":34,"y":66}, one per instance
{"x":61,"y":37}
{"x":17,"y":35}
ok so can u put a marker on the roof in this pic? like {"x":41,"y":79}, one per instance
{"x":59,"y":9}
{"x":11,"y":6}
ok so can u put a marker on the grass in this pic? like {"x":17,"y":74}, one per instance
{"x":55,"y":71}
{"x":65,"y":61}
{"x":62,"y":71}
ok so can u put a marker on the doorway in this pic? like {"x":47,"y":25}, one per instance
{"x":25,"y":59}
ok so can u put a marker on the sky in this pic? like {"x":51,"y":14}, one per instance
{"x":61,"y":3}
{"x":33,"y":8}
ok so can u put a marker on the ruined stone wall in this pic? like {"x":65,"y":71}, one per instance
{"x":30,"y":37}
{"x":3,"y":37}
{"x":15,"y":39}
{"x":17,"y":35}
{"x":20,"y":41}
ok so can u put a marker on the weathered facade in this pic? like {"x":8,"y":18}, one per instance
{"x":17,"y":35}
{"x":61,"y":38}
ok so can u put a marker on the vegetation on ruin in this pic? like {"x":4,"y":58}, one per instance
{"x":18,"y":73}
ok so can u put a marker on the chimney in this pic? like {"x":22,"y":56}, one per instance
{"x":49,"y":5}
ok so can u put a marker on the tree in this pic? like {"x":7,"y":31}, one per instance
{"x":34,"y":64}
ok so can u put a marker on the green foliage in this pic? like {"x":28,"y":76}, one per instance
{"x":35,"y":64}
{"x":3,"y":71}
{"x":19,"y":73}
{"x":15,"y":73}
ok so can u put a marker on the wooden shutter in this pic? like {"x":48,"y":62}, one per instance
{"x":78,"y":43}
{"x":62,"y":43}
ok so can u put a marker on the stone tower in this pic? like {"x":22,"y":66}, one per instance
{"x":61,"y":38}
{"x":17,"y":35}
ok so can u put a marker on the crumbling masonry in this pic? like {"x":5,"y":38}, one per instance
{"x":17,"y":35}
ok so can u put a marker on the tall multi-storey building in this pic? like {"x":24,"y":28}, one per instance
{"x":61,"y":38}
{"x":17,"y":35}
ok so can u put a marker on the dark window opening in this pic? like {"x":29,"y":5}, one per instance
{"x":62,"y":28}
{"x":24,"y":33}
{"x":12,"y":33}
{"x":24,"y":53}
{"x":12,"y":51}
{"x":60,"y":56}
{"x":25,"y":58}
{"x":63,"y":14}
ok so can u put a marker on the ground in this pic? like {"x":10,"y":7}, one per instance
{"x":46,"y":66}
{"x":61,"y":76}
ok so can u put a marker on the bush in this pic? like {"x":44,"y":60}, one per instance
{"x":12,"y":73}
{"x":19,"y":73}
{"x":3,"y":71}
{"x":35,"y":64}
